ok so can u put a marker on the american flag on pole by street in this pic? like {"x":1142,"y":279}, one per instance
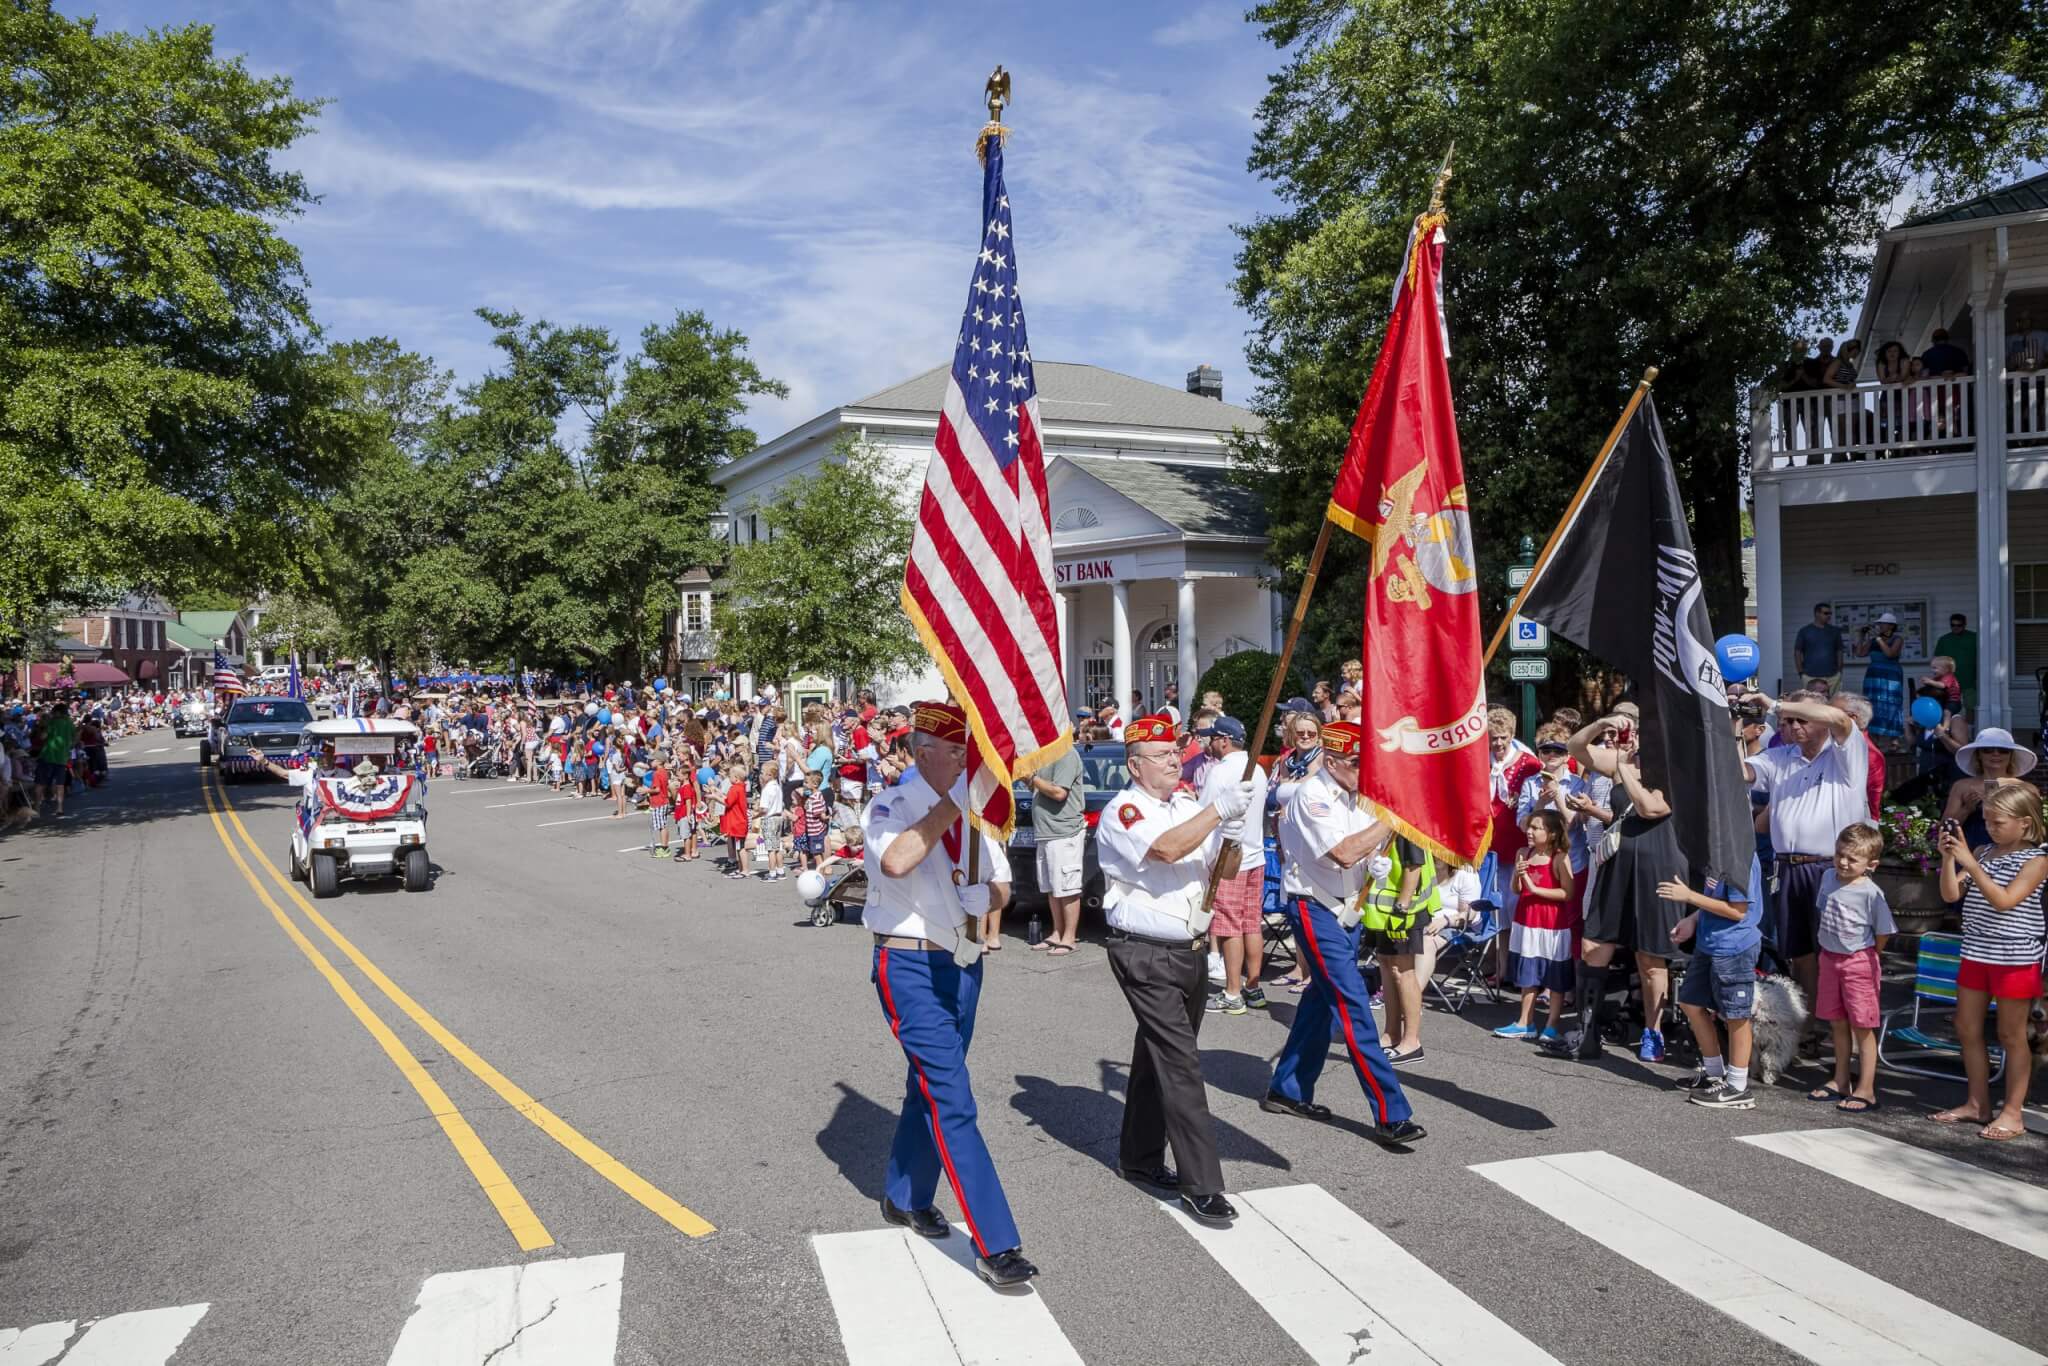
{"x":225,"y":679}
{"x":979,"y":582}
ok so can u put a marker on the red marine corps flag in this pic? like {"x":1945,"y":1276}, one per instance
{"x":1402,"y":487}
{"x":978,"y":585}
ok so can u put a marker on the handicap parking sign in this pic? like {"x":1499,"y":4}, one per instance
{"x":1529,"y":635}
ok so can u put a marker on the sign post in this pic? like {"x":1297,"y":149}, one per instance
{"x":1527,"y":638}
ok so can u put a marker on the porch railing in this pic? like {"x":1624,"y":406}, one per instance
{"x":1892,"y":421}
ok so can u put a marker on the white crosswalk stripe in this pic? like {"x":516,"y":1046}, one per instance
{"x":902,"y":1300}
{"x":1813,"y":1305}
{"x":1345,"y":1292}
{"x":547,"y":1313}
{"x":146,"y":1337}
{"x":2012,"y":1212}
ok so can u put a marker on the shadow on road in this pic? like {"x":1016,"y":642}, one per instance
{"x":857,"y":1139}
{"x":1091,"y":1120}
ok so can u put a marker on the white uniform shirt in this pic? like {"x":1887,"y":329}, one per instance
{"x":1248,"y":830}
{"x":1144,"y":895}
{"x":923,"y":903}
{"x":1814,"y":800}
{"x":1321,"y":815}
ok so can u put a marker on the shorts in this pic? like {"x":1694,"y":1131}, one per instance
{"x":52,"y":775}
{"x":814,"y":845}
{"x":1848,"y":988}
{"x":2001,"y":981}
{"x":657,"y":819}
{"x":771,"y":829}
{"x":1792,"y":919}
{"x":1409,"y":942}
{"x":1240,"y":904}
{"x":1724,"y":983}
{"x":1059,"y":864}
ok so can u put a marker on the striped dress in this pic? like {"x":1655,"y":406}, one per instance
{"x":1543,"y":945}
{"x":2003,"y":938}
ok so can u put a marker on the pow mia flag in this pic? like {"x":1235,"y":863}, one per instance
{"x":1622,"y":582}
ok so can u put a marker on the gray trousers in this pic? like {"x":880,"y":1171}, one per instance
{"x":1165,"y":1101}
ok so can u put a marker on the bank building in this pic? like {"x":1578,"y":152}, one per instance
{"x":1158,"y":555}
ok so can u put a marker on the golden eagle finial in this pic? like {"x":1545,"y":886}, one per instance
{"x":998,"y":91}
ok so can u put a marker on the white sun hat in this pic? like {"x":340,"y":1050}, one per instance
{"x":1994,"y":737}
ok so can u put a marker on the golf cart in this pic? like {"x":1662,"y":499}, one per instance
{"x":362,"y":817}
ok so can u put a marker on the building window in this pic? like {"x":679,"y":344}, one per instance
{"x":1098,"y":679}
{"x":753,"y":528}
{"x":159,"y":635}
{"x":2029,"y":619}
{"x":1076,"y":519}
{"x":693,"y":610}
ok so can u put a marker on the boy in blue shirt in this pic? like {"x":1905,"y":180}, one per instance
{"x":1727,"y":928}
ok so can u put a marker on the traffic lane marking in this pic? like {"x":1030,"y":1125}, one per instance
{"x":902,"y":1300}
{"x":656,"y":1201}
{"x":519,"y":1217}
{"x":146,"y":1337}
{"x":530,"y":801}
{"x":549,"y":1313}
{"x":580,"y":820}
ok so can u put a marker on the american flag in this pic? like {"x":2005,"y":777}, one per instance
{"x":978,"y":585}
{"x":225,"y":679}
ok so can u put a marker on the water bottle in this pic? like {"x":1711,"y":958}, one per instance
{"x":1034,"y":931}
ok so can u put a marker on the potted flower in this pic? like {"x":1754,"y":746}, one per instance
{"x":1908,"y":871}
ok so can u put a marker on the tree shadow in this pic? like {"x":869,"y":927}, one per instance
{"x":857,"y":1139}
{"x":1090,"y":1120}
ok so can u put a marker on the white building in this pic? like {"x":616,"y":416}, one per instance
{"x":1928,"y":498}
{"x":1159,"y":556}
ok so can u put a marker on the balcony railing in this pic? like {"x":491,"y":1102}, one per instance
{"x":1893,"y":421}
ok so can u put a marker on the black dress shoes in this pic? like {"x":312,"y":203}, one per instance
{"x":1213,"y":1210}
{"x":1398,"y":1135}
{"x":1161,"y":1178}
{"x":1306,"y":1109}
{"x":925,"y":1223}
{"x":1005,"y":1269}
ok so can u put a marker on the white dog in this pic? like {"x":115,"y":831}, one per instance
{"x":1776,"y":1022}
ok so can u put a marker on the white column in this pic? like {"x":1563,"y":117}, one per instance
{"x":1184,"y":640}
{"x":1070,"y":667}
{"x":1120,"y":645}
{"x":1994,"y":560}
{"x":1277,"y":611}
{"x":746,"y":688}
{"x":1770,"y":585}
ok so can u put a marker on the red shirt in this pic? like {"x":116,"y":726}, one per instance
{"x":1873,"y":784}
{"x":657,"y":787}
{"x":686,"y":796}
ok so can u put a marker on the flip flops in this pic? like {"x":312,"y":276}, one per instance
{"x":1998,"y":1133}
{"x":1956,"y":1116}
{"x":1824,"y":1093}
{"x":1856,"y":1105}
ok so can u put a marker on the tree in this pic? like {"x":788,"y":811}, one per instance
{"x":165,"y":420}
{"x":820,"y":594}
{"x":1671,"y":183}
{"x":297,"y":623}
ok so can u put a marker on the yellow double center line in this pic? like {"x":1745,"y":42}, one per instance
{"x":522,"y":1221}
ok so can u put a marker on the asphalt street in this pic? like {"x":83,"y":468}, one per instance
{"x":212,"y":1096}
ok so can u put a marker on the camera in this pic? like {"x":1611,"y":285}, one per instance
{"x":1752,"y":708}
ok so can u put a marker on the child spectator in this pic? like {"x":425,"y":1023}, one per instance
{"x":733,"y":823}
{"x":555,"y":767}
{"x":2000,"y":888}
{"x":1855,"y":922}
{"x":811,"y":847}
{"x":770,"y":805}
{"x":1726,"y":927}
{"x":1542,"y":946}
{"x":658,"y":798}
{"x":689,"y":807}
{"x":1941,"y":672}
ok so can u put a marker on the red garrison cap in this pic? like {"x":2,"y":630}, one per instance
{"x":1343,"y":738}
{"x":941,"y":721}
{"x":1149,"y":730}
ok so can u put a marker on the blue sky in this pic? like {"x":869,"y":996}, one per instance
{"x":802,"y":172}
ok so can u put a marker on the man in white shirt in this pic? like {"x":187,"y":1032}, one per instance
{"x":925,"y":916}
{"x":1239,"y":904}
{"x":1330,"y":840}
{"x":1816,"y":786}
{"x":1156,"y":844}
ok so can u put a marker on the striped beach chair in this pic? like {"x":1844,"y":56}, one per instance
{"x":1907,"y":1039}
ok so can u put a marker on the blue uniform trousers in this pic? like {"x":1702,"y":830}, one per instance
{"x":1338,"y":1003}
{"x":929,"y":1001}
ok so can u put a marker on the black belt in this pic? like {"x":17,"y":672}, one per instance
{"x":1805,"y":858}
{"x":1192,"y":942}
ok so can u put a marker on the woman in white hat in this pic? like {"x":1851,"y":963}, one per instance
{"x":1884,"y":682}
{"x":1992,"y":759}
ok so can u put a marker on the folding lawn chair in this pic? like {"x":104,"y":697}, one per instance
{"x":1934,"y":993}
{"x":1276,"y":931}
{"x":1462,"y":961}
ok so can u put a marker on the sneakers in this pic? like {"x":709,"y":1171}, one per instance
{"x":1717,"y":1095}
{"x":1698,"y":1081}
{"x":1516,"y":1030}
{"x":1255,"y":997}
{"x":1549,"y":1036}
{"x":1652,"y":1046}
{"x":1225,"y":1005}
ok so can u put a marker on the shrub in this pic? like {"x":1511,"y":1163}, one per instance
{"x":1243,"y":678}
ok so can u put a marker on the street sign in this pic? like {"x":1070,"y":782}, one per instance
{"x":1528,"y":637}
{"x":1529,"y":670}
{"x":1519,"y":574}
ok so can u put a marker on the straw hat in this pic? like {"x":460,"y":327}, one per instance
{"x":1993,"y":737}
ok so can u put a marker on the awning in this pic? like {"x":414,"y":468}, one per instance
{"x":44,"y":676}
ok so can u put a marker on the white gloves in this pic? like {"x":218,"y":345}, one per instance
{"x":973,"y":899}
{"x":1380,"y":867}
{"x":1232,"y":802}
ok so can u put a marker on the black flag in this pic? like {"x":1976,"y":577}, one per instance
{"x":1622,"y":583}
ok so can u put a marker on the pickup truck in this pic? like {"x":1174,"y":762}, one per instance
{"x":269,"y":724}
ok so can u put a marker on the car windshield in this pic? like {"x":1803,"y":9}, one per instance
{"x":281,"y":710}
{"x":1105,"y":772}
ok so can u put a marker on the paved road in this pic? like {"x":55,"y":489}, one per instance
{"x":208,"y":1149}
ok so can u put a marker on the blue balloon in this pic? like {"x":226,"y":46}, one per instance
{"x":1738,"y":657}
{"x":1926,"y":713}
{"x":661,"y":685}
{"x":604,"y":718}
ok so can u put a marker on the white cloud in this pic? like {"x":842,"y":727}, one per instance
{"x":1208,"y":24}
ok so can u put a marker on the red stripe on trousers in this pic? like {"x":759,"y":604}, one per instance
{"x":938,"y":1130}
{"x":1358,"y":1059}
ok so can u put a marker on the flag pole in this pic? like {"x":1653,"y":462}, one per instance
{"x":1635,"y":401}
